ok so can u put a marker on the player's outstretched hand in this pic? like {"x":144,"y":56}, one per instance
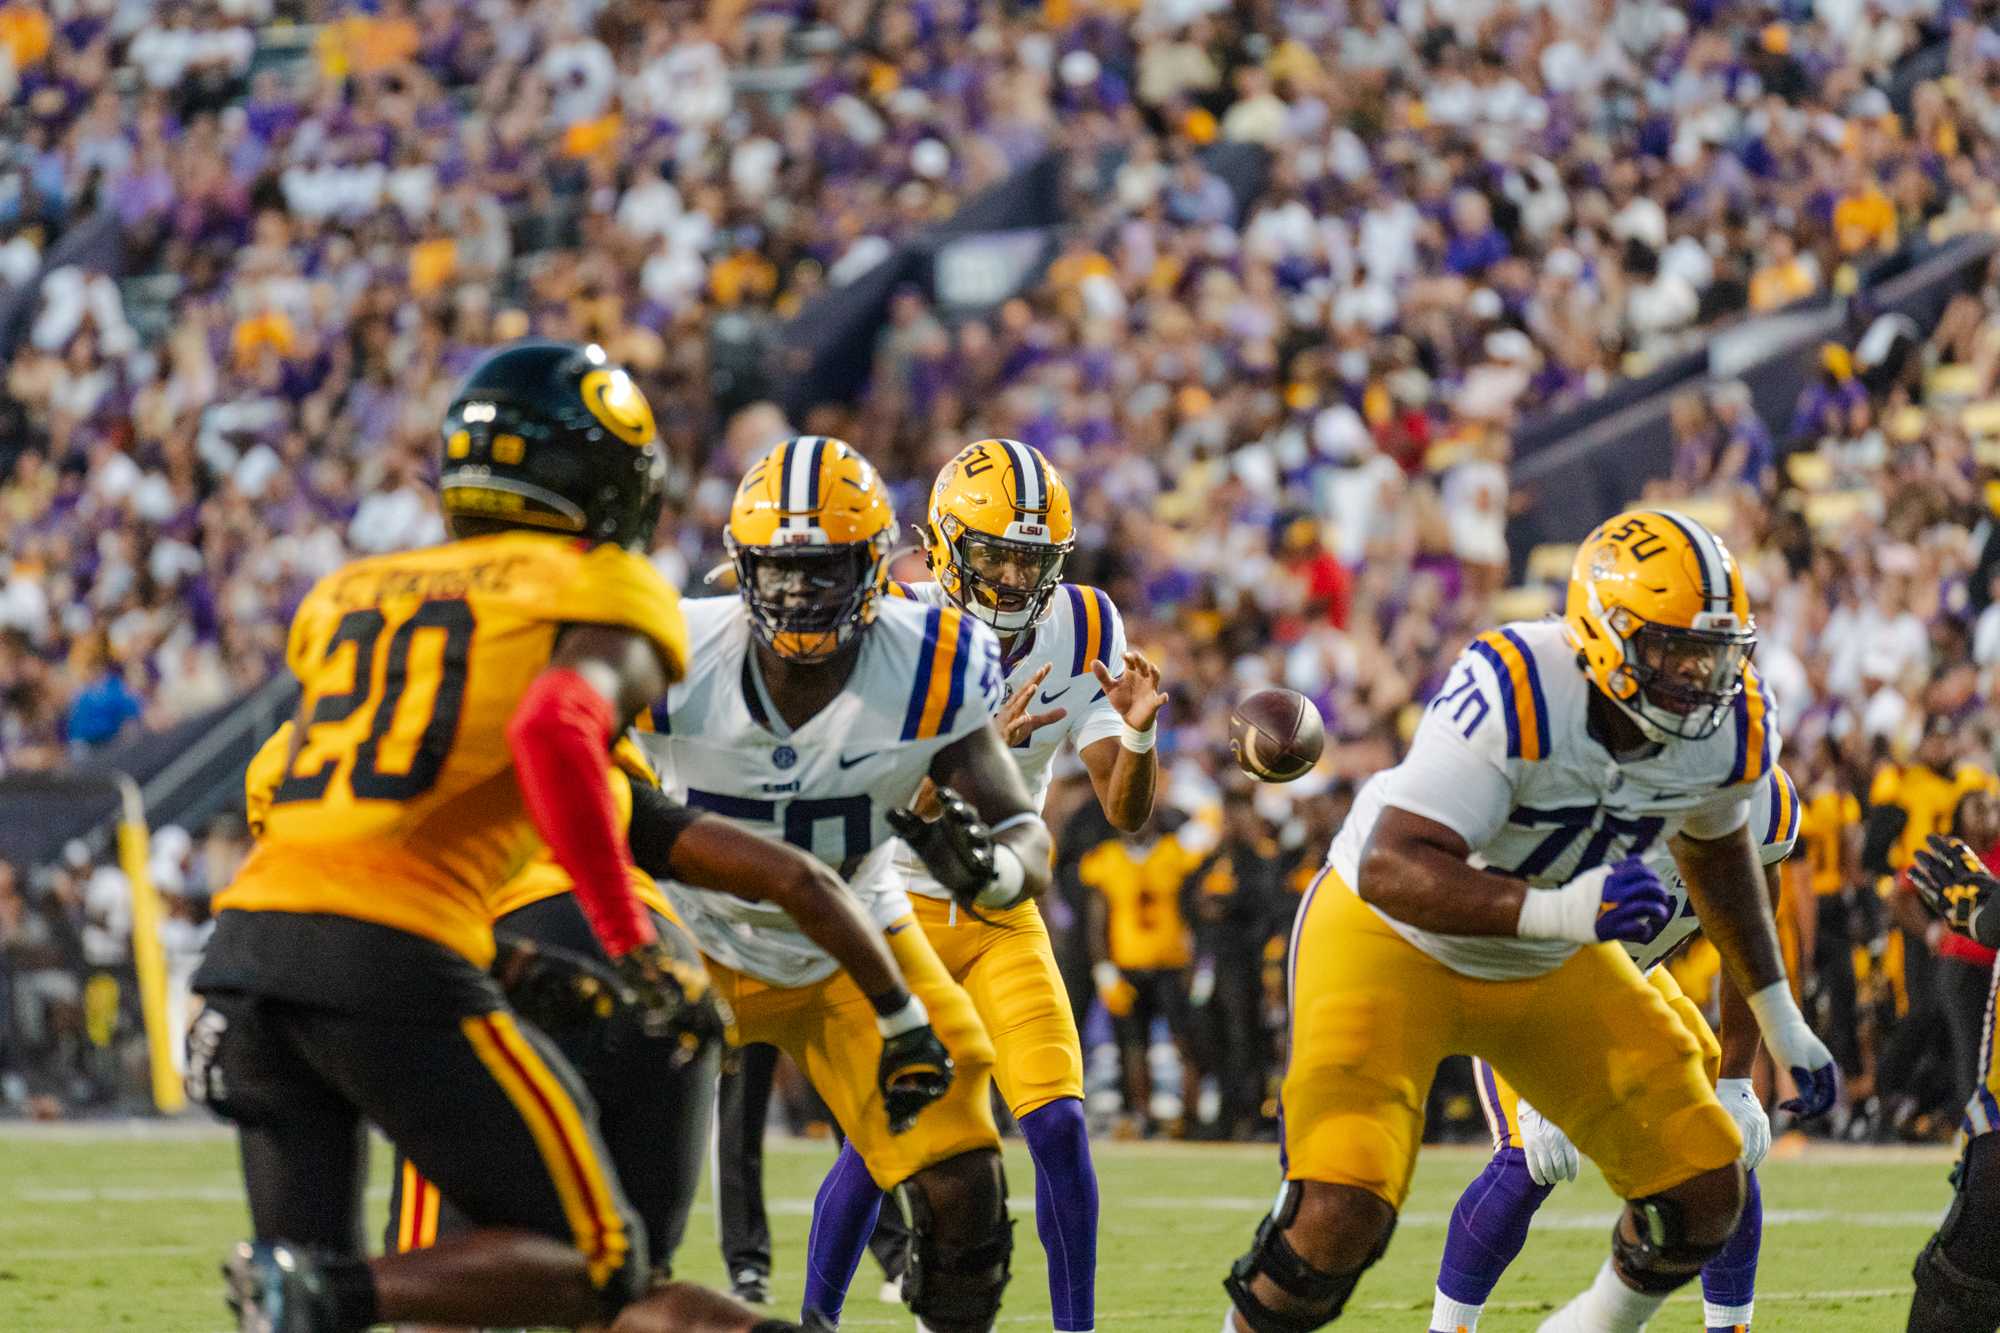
{"x":956,"y":847}
{"x":671,"y":999}
{"x":1739,"y":1097}
{"x":1551,"y":1156}
{"x":554,"y":988}
{"x":1016,"y":723}
{"x":1955,"y":884}
{"x":915,"y":1071}
{"x":1634,"y":906}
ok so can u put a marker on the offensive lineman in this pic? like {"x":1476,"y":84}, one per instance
{"x":999,"y":533}
{"x":1560,"y":754}
{"x":1958,"y":1271}
{"x":458,"y":701}
{"x":814,"y":709}
{"x":1490,"y":1223}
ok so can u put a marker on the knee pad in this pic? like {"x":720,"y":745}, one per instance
{"x":957,"y":1284}
{"x":1663,"y":1258}
{"x":1958,"y":1273}
{"x":1272,"y":1256}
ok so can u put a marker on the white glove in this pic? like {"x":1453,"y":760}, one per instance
{"x":1739,"y":1097}
{"x":1551,"y":1156}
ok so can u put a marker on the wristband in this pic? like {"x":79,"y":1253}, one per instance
{"x":1568,"y":913}
{"x":1105,"y":976}
{"x":1777,"y":1013}
{"x":1140,"y":742}
{"x":909,"y":1018}
{"x":1008,"y":876}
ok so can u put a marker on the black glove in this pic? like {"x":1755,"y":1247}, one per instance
{"x":915,"y":1071}
{"x":1955,"y":884}
{"x":670,"y":997}
{"x":956,"y":847}
{"x":554,"y":988}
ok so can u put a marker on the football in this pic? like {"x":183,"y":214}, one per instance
{"x":1276,"y":735}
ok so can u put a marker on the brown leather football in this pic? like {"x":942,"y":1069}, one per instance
{"x":1276,"y":735}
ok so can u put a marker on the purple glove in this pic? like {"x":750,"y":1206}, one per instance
{"x":1634,"y":906}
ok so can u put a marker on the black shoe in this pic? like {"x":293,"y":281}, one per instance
{"x":275,"y":1288}
{"x":751,"y":1286}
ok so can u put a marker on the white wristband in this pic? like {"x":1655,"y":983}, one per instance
{"x":1778,"y":1016}
{"x":1568,"y":913}
{"x":909,"y":1018}
{"x":1139,"y":742}
{"x":1105,"y":976}
{"x":1008,"y":876}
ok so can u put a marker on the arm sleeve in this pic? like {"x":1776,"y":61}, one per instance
{"x":657,"y":823}
{"x":559,"y":737}
{"x":1099,"y":718}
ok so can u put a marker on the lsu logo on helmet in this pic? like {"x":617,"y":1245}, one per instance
{"x":1658,"y":611}
{"x":810,"y":532}
{"x":999,"y":532}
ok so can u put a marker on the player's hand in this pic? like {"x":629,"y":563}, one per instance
{"x":956,"y":847}
{"x":1955,"y":884}
{"x":1016,"y":723}
{"x":1118,"y":994}
{"x":1551,"y":1156}
{"x":915,"y":1071}
{"x":1633,"y":906}
{"x":670,"y":997}
{"x":554,"y":988}
{"x":1136,"y":694}
{"x":1739,"y":1097}
{"x":1794,"y":1045}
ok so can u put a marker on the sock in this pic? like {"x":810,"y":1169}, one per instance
{"x":1607,"y":1306}
{"x":1488,"y":1228}
{"x":1729,"y":1280}
{"x":1065,"y":1209}
{"x":843,"y":1219}
{"x":1450,"y":1316}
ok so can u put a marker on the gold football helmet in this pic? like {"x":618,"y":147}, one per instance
{"x":1658,"y":613}
{"x":810,"y":532}
{"x":1000,"y":532}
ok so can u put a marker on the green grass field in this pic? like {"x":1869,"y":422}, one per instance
{"x":120,"y":1227}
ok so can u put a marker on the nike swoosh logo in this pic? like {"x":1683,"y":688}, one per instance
{"x":1048,"y":698}
{"x":846,"y":763}
{"x":897,"y":930}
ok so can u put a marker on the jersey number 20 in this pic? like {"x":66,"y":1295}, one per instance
{"x":361,"y":629}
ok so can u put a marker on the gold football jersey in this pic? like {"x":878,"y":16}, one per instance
{"x":396,"y":802}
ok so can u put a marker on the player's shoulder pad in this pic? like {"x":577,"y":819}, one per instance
{"x":614,"y":586}
{"x":1089,"y":621}
{"x":948,"y":664}
{"x":1494,"y":696}
{"x":1750,"y":736}
{"x":924,"y":592}
{"x":709,"y":622}
{"x":1774,"y":815}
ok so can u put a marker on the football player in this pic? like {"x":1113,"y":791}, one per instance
{"x":1958,"y":1272}
{"x":815,"y":708}
{"x":1474,"y":900}
{"x":999,"y":533}
{"x":458,"y":701}
{"x":1530,"y":1154}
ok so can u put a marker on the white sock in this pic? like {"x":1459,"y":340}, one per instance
{"x":1609,"y":1306}
{"x":1450,"y":1316}
{"x":1727,"y":1316}
{"x":1229,"y":1320}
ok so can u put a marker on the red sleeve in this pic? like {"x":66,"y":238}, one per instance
{"x":561,"y":739}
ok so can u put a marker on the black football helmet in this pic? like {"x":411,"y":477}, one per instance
{"x":553,"y":435}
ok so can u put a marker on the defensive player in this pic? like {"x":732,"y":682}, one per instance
{"x":999,"y":533}
{"x":814,"y":709}
{"x":1470,"y":903}
{"x":1530,"y":1155}
{"x":1958,"y":1272}
{"x":458,"y":701}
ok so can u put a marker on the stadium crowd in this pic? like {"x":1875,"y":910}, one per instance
{"x":1285,"y":417}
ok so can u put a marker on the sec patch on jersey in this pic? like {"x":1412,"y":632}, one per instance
{"x":1276,"y":735}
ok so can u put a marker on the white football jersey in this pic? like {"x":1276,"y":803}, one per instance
{"x":1082,"y":627}
{"x":926,"y":676}
{"x":1505,"y":757}
{"x":1774,"y":819}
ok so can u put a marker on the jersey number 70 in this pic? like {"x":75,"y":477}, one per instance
{"x":361,"y":630}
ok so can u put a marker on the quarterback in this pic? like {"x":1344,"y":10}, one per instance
{"x":999,"y":532}
{"x":1530,"y":1155}
{"x":814,"y":709}
{"x":1474,"y":902}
